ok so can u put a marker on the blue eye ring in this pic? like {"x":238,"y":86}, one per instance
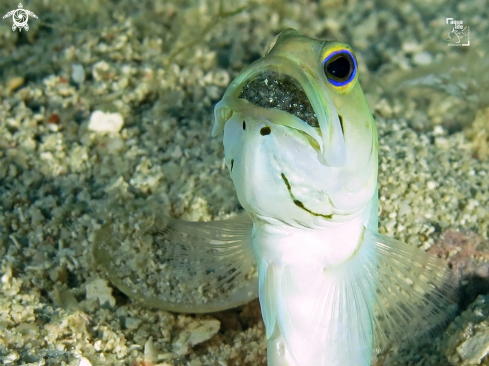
{"x":340,"y":67}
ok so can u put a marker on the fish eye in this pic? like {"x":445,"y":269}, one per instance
{"x":340,"y":67}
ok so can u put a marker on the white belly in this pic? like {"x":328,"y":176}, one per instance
{"x":316,"y":293}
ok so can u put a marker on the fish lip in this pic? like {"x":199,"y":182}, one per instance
{"x":225,"y":109}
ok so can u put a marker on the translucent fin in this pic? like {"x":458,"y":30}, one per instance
{"x":415,"y":295}
{"x":182,"y":266}
{"x":387,"y":293}
{"x":463,"y":76}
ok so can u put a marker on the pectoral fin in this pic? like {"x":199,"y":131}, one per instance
{"x":182,"y":266}
{"x":415,"y":293}
{"x":387,"y":293}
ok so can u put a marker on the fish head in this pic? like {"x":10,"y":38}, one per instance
{"x":299,"y":139}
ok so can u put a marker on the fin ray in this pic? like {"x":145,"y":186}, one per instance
{"x":387,"y":293}
{"x":182,"y":266}
{"x":415,"y":291}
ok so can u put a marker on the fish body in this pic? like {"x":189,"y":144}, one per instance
{"x":310,"y":187}
{"x":301,"y":147}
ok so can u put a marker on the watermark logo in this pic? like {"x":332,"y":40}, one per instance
{"x":459,"y":35}
{"x":20,"y":17}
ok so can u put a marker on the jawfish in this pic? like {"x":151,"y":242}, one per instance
{"x":301,"y":147}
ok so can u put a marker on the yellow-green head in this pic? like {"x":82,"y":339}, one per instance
{"x":299,"y":138}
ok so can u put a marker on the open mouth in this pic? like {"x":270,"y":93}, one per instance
{"x":273,"y":90}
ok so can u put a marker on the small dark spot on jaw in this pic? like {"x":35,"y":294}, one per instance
{"x":244,"y":125}
{"x":341,"y":124}
{"x":232,"y":164}
{"x":265,"y":131}
{"x":286,"y":181}
{"x":299,"y":204}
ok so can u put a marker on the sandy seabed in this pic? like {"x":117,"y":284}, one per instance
{"x":158,"y":68}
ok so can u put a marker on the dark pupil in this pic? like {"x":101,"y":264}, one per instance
{"x":340,"y":68}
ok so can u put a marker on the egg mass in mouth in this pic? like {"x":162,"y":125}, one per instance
{"x":279,"y":91}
